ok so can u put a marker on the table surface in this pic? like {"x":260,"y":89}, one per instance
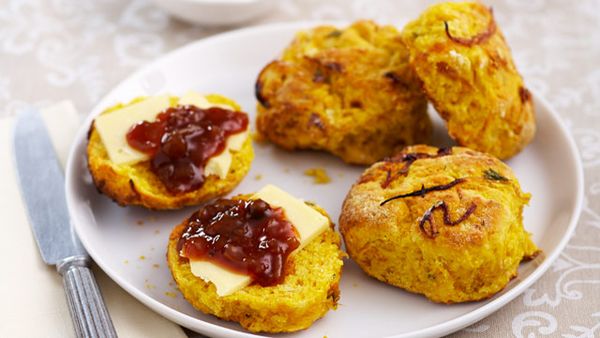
{"x":79,"y":50}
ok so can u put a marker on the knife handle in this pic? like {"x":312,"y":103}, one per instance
{"x":89,"y":314}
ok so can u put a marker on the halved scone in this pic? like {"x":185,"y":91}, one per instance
{"x":309,"y":277}
{"x":131,"y":180}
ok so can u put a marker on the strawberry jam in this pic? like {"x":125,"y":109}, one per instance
{"x":182,"y":140}
{"x":245,"y":236}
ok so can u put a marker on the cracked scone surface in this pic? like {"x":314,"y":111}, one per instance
{"x":309,"y":291}
{"x":347,"y":91}
{"x":468,"y":73}
{"x":136,"y":184}
{"x":466,"y":251}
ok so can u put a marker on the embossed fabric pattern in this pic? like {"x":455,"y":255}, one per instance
{"x":79,"y":50}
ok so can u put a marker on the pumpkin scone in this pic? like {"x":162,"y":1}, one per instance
{"x":347,"y":91}
{"x":446,"y":223}
{"x":459,"y":53}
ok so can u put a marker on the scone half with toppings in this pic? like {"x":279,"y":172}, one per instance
{"x":166,"y":152}
{"x":446,"y":223}
{"x":459,"y":53}
{"x":269,"y":261}
{"x":348,"y":91}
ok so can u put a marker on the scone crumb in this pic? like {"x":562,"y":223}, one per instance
{"x":142,"y":257}
{"x":319,"y":175}
{"x":258,"y":137}
{"x":156,"y":266}
{"x":258,"y":177}
{"x":170,"y":294}
{"x":139,"y":222}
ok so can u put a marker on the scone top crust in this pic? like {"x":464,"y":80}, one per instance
{"x":461,"y":56}
{"x":481,"y":180}
{"x":136,"y":184}
{"x":350,"y":92}
{"x":458,"y":233}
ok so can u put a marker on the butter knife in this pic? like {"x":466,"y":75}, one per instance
{"x":43,"y":190}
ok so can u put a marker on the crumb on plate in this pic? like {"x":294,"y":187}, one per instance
{"x":319,"y":175}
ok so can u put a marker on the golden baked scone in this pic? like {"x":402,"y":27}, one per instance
{"x":136,"y":184}
{"x":468,"y":73}
{"x":445,"y":223}
{"x":350,"y":92}
{"x":309,"y":290}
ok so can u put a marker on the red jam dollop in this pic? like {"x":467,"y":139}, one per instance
{"x":245,"y":236}
{"x":182,"y":140}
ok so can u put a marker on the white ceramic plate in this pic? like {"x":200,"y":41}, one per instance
{"x":129,"y":243}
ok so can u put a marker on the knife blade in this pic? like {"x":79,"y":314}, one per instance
{"x":42,"y":187}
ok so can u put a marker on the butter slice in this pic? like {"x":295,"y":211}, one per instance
{"x":308,"y":222}
{"x":113,"y":128}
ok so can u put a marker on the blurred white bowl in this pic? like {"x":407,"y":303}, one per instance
{"x":216,"y":12}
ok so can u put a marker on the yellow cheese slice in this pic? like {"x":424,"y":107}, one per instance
{"x":225,"y":281}
{"x":308,"y":222}
{"x":236,"y":141}
{"x":193,"y":98}
{"x":218,"y":165}
{"x":200,"y":101}
{"x":113,"y":128}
